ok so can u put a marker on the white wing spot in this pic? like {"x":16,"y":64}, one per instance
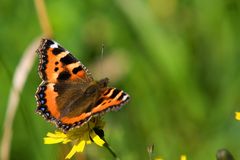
{"x":55,"y":45}
{"x":125,"y":97}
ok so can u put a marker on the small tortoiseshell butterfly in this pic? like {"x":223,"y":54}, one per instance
{"x":68,"y":94}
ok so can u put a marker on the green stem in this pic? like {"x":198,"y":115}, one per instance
{"x":111,"y":151}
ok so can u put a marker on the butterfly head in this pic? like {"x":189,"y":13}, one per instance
{"x":103,"y":82}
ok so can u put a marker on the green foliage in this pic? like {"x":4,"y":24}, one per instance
{"x":183,"y":79}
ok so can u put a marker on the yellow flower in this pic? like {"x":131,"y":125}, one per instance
{"x":237,"y":116}
{"x":81,"y":136}
{"x":183,"y":157}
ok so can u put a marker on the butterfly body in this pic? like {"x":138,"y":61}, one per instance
{"x":68,"y":94}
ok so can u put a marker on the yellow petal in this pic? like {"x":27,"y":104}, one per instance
{"x":65,"y":141}
{"x":96,"y":139}
{"x":76,"y":148}
{"x":237,"y":116}
{"x":71,"y":153}
{"x":49,"y":140}
{"x":56,"y":137}
{"x":80,"y":146}
{"x":89,"y":142}
{"x":56,"y":134}
{"x":183,"y":157}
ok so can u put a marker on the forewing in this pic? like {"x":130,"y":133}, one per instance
{"x":57,"y":64}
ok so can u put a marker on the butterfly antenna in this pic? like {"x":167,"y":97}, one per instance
{"x":102,"y":51}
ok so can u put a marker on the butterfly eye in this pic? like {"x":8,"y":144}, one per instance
{"x":91,"y":90}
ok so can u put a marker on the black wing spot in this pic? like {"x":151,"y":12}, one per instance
{"x":77,"y":69}
{"x":68,"y":59}
{"x":47,"y":115}
{"x":121,"y":97}
{"x":66,"y":127}
{"x":42,"y":108}
{"x":41,"y":94}
{"x":56,"y":63}
{"x":107,"y":92}
{"x":99,"y":101}
{"x":43,"y":88}
{"x":56,"y":69}
{"x":49,"y":42}
{"x":57,"y":51}
{"x":65,"y":75}
{"x":42,"y":101}
{"x":115,"y":93}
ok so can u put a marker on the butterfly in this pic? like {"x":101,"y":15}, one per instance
{"x":68,"y":95}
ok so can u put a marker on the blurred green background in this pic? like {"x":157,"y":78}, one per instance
{"x":183,"y":74}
